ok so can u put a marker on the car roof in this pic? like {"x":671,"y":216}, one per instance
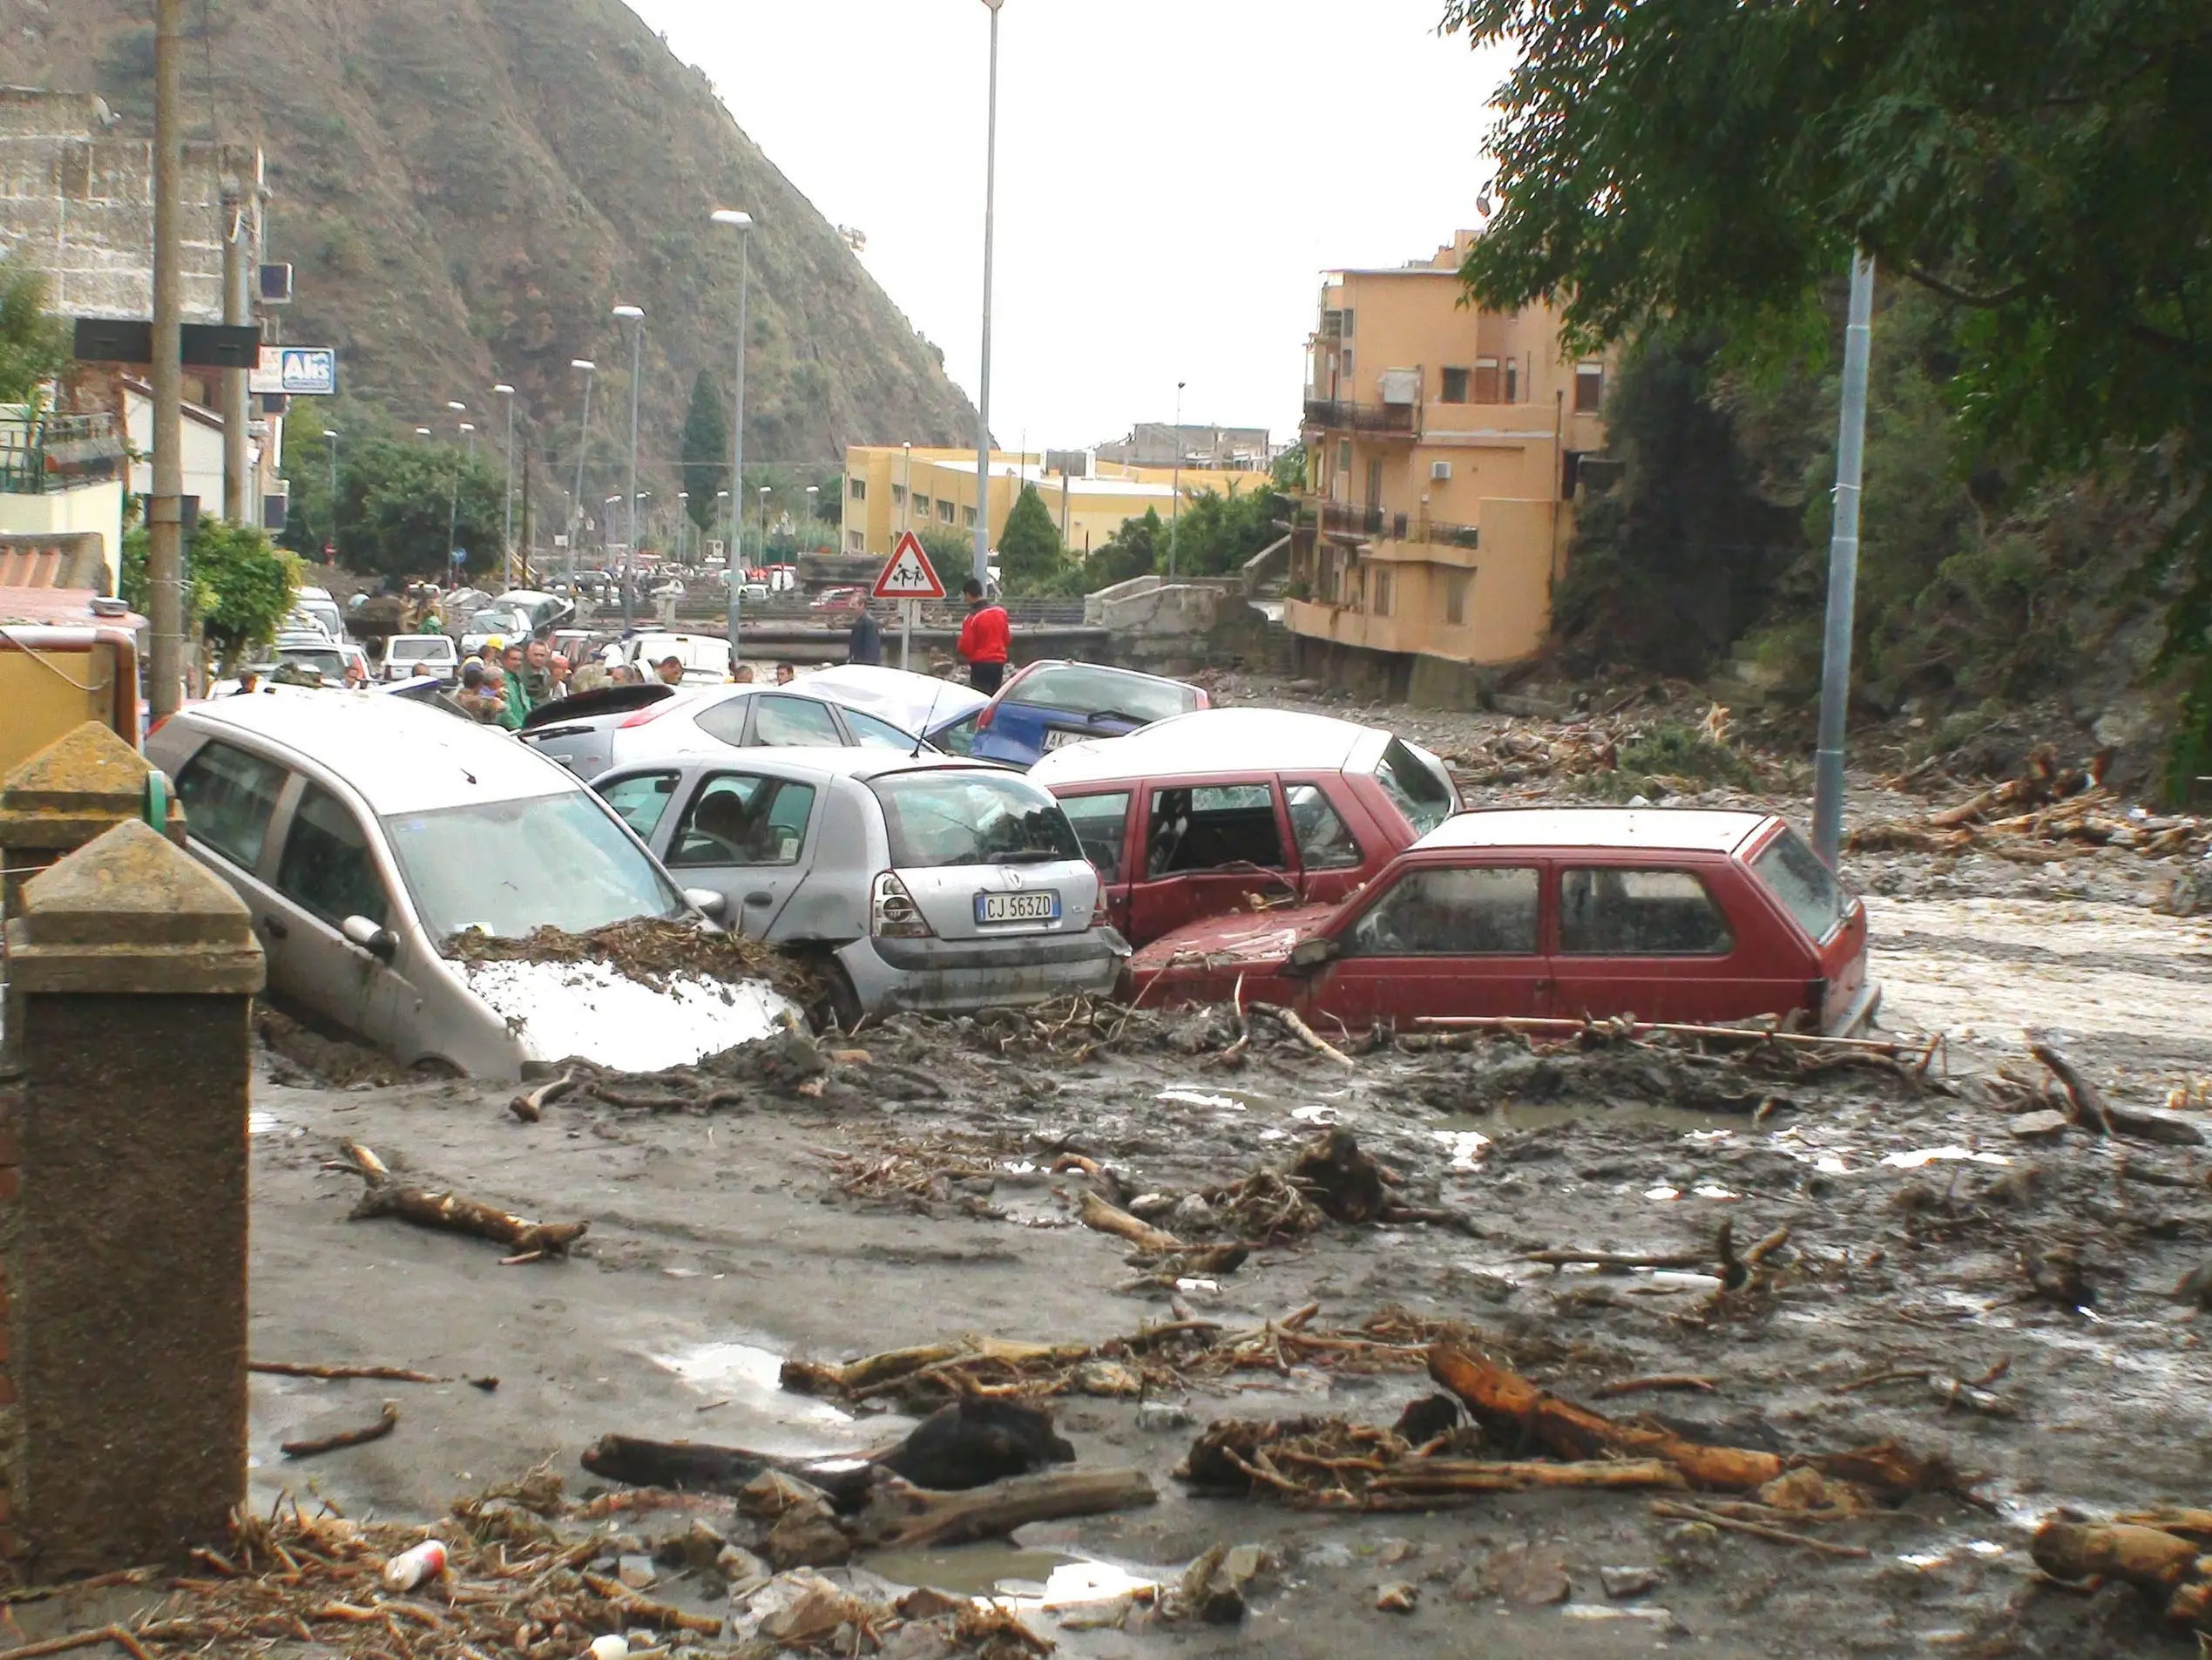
{"x":400,"y":755}
{"x":1102,"y":668}
{"x":853,"y":763}
{"x":1213,"y":741}
{"x":1669,"y":830}
{"x":895,"y":695}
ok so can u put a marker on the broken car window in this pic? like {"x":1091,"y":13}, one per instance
{"x":1324,"y":842}
{"x":1629,"y":912}
{"x":1101,"y":823}
{"x":1807,"y":888}
{"x":1480,"y":912}
{"x":1211,"y":826}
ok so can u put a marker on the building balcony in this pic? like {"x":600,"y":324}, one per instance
{"x":1336,"y":414}
{"x":41,"y":453}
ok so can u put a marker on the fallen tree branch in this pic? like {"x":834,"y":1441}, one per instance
{"x":381,"y":1375}
{"x":387,"y":1421}
{"x":1676,"y":1512}
{"x":1304,"y":1033}
{"x":531,"y":1106}
{"x":1096,"y":1213}
{"x":450,"y":1212}
{"x":114,"y":1634}
{"x":910,"y":1518}
{"x":1665,"y":1380}
{"x":1688,"y":1259}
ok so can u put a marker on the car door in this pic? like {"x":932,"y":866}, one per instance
{"x":1651,"y":940}
{"x":1440,"y":941}
{"x":1209,"y":849}
{"x":329,"y":872}
{"x":1330,"y":857}
{"x":1101,"y":825}
{"x":745,"y":833}
{"x":231,"y":797}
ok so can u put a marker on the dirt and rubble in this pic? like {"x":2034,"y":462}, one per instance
{"x":1572,"y":1342}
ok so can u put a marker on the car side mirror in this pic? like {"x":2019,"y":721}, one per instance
{"x":379,"y":942}
{"x":706,"y":902}
{"x":1312,"y":951}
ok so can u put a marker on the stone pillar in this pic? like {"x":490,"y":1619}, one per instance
{"x":123,"y":1217}
{"x":60,"y":798}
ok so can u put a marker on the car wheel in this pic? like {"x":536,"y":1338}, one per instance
{"x":836,"y":1005}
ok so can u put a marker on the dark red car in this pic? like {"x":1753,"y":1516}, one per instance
{"x":1577,"y":912}
{"x":1207,"y":812}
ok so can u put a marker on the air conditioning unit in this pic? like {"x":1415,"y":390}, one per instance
{"x":1440,"y":471}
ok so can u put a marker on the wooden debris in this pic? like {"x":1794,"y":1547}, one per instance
{"x":1304,"y":1033}
{"x":910,"y":1518}
{"x":1665,"y":1380}
{"x":387,"y":1421}
{"x":114,"y":1634}
{"x":451,"y":1212}
{"x":2092,"y":1111}
{"x":688,"y":1467}
{"x":530,"y":1106}
{"x":1096,"y":1213}
{"x":1679,"y":1512}
{"x":2150,"y":1558}
{"x":381,"y":1375}
{"x":1344,"y":1182}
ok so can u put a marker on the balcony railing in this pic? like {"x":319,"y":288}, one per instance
{"x":49,"y":452}
{"x":1336,"y":415}
{"x":1362,"y":521}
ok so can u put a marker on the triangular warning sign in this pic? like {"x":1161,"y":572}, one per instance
{"x":908,"y":575}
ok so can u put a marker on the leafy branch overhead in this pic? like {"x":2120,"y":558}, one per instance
{"x":2043,"y":165}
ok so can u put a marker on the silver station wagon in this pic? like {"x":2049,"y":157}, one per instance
{"x":922,"y":881}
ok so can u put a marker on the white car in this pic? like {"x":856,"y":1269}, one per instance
{"x":316,"y":604}
{"x":593,"y":731}
{"x":366,"y":833}
{"x":705,"y":658}
{"x":410,"y":656}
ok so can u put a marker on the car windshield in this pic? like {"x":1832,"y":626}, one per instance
{"x":510,"y":867}
{"x":1084,"y":689}
{"x":1807,"y":888}
{"x":942,"y":819}
{"x":331,"y":664}
{"x":499,"y":620}
{"x":1424,"y":798}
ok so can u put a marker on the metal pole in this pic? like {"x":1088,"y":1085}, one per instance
{"x":1175,"y":521}
{"x":637,"y":372}
{"x":508,"y":392}
{"x":1843,"y":569}
{"x":164,"y":509}
{"x":906,"y":610}
{"x":736,"y":608}
{"x":990,"y":228}
{"x":237,"y":306}
{"x":582,"y":448}
{"x":332,"y":438}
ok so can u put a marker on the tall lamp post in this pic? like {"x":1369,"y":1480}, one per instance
{"x":742,"y":224}
{"x":585,"y":367}
{"x":814,"y":502}
{"x":763,"y":493}
{"x":1176,"y":520}
{"x":453,"y":505}
{"x":508,"y":392}
{"x":330,"y":435}
{"x":683,"y":514}
{"x":983,"y":403}
{"x":636,"y":316}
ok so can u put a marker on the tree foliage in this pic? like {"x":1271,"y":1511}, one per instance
{"x":707,"y":453}
{"x":1030,"y":554}
{"x":33,"y":346}
{"x":2045,"y":166}
{"x":237,"y":587}
{"x":397,"y":503}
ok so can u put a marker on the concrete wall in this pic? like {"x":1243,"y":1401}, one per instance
{"x":96,"y":509}
{"x":77,"y":203}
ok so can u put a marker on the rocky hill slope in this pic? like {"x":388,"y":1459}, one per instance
{"x":467,"y":187}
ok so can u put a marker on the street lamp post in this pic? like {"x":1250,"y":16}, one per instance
{"x":508,"y":393}
{"x":764,"y":523}
{"x":1175,"y":519}
{"x":906,"y":506}
{"x":636,"y":316}
{"x":587,"y":368}
{"x":453,"y":506}
{"x":742,"y":224}
{"x":330,"y":436}
{"x":990,"y":227}
{"x":813,"y":501}
{"x":683,"y":528}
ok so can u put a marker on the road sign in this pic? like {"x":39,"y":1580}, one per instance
{"x":297,"y":371}
{"x":908,"y":575}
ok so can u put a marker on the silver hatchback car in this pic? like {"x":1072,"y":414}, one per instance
{"x":918,"y":882}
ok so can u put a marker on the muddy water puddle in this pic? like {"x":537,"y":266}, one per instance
{"x":742,"y":1400}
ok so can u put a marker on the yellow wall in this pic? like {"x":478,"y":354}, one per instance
{"x":95,"y":508}
{"x":49,"y":692}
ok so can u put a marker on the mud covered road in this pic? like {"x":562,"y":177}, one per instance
{"x":904,"y":1193}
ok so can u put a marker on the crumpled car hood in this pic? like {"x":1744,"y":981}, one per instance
{"x":595,"y":1012}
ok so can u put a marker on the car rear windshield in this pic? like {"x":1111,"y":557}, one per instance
{"x":510,"y":867}
{"x":1424,"y":798}
{"x":1807,"y":888}
{"x":942,"y":819}
{"x":1083,"y":688}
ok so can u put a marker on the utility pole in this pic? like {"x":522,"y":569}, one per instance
{"x":330,"y":436}
{"x":508,"y":393}
{"x":732,"y":568}
{"x":587,"y":368}
{"x":164,"y":509}
{"x":1843,"y":569}
{"x":237,"y":310}
{"x":636,"y":315}
{"x":1175,"y":523}
{"x":983,"y":402}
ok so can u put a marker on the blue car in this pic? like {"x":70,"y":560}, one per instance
{"x":1048,"y":705}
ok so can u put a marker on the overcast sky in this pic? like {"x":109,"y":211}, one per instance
{"x":1173,"y":175}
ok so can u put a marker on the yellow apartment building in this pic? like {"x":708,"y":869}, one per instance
{"x":1443,"y":448}
{"x":889,"y":488}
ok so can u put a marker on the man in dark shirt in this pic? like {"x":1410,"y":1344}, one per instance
{"x":865,"y":643}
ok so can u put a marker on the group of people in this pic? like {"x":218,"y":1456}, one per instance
{"x":986,"y":637}
{"x":503,"y":681}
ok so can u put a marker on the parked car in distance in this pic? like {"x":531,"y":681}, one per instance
{"x":595,"y":731}
{"x":1222,"y":808}
{"x":834,"y":598}
{"x":1045,"y":706}
{"x":705,"y":658}
{"x":408,"y":656}
{"x":942,"y":711}
{"x":318,"y":604}
{"x":328,"y":658}
{"x":929,"y":883}
{"x":1582,"y":914}
{"x":510,"y":625}
{"x":365,"y":834}
{"x":542,"y":610}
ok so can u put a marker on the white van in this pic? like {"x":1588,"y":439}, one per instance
{"x":406,"y":656}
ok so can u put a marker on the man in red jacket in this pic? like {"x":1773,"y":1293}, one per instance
{"x":984,"y":639}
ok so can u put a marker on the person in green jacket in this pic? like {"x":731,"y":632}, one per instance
{"x":518,"y":703}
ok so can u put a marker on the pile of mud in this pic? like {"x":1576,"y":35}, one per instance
{"x":649,"y":950}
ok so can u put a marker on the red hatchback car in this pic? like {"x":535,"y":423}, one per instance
{"x":1206,"y":812}
{"x":1577,"y":912}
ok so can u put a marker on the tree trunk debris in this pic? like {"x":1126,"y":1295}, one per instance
{"x":387,"y":1421}
{"x":453,"y":1213}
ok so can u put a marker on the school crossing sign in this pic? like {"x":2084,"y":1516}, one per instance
{"x":908,"y":574}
